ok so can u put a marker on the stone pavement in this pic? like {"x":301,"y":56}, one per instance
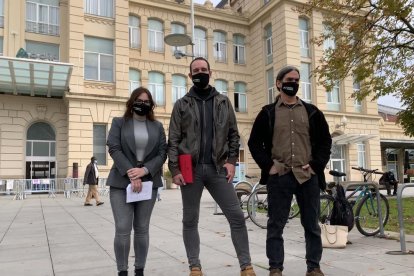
{"x":42,"y":236}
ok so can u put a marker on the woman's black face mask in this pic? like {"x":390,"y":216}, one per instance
{"x":141,"y":108}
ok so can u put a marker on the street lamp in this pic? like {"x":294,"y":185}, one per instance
{"x":177,"y":40}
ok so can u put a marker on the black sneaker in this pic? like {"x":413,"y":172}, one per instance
{"x":99,"y":203}
{"x":87,"y":204}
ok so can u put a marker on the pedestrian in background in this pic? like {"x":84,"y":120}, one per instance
{"x":291,"y":143}
{"x":137,"y":144}
{"x":203,"y":124}
{"x":91,"y":178}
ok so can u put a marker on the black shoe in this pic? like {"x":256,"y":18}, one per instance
{"x":99,"y":203}
{"x":139,"y":272}
{"x":87,"y":204}
{"x":123,"y":273}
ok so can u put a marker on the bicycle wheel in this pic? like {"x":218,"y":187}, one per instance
{"x":243,"y":196}
{"x":325,"y":208}
{"x":294,"y":208}
{"x":257,"y":206}
{"x":366,"y":214}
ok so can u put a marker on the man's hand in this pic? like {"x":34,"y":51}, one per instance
{"x":307,"y":167}
{"x":179,"y":179}
{"x":230,"y":172}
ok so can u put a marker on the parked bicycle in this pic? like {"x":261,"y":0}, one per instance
{"x":364,"y":202}
{"x":257,"y":206}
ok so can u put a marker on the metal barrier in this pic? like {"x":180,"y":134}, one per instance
{"x":350,"y":184}
{"x":403,"y":250}
{"x":20,"y":188}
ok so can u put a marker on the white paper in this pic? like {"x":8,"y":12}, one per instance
{"x":9,"y":184}
{"x":145,"y":194}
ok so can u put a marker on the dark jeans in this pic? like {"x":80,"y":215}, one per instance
{"x":225,"y":196}
{"x":281,"y":190}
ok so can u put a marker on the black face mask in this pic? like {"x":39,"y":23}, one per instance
{"x":290,"y":88}
{"x":201,"y":80}
{"x":141,"y":109}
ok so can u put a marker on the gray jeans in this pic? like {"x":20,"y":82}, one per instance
{"x":126,"y":215}
{"x":205,"y":175}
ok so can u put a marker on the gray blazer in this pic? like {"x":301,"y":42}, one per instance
{"x":121,"y":147}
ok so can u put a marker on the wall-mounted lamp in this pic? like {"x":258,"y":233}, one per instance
{"x":182,"y":39}
{"x":179,"y":54}
{"x":342,"y":123}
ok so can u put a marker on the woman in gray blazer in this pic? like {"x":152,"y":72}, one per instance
{"x":137,"y":144}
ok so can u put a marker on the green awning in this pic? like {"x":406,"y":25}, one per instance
{"x":32,"y":77}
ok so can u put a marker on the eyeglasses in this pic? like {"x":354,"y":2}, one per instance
{"x":147,"y":102}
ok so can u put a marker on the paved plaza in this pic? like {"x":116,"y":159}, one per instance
{"x":42,"y":236}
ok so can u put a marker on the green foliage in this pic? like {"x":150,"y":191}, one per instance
{"x":374,"y":43}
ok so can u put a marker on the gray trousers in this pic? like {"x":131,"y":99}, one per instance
{"x":126,"y":215}
{"x":205,"y":175}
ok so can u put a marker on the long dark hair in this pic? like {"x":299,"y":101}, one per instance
{"x":134,"y":96}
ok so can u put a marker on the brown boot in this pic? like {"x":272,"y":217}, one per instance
{"x":275,"y":272}
{"x":315,"y":272}
{"x":196,"y":271}
{"x":247,"y":271}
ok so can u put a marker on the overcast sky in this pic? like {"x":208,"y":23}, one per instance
{"x":386,"y":100}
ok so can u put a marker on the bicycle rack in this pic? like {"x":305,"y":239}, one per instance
{"x":403,"y":250}
{"x":348,"y":184}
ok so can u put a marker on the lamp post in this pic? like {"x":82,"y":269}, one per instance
{"x":177,"y":40}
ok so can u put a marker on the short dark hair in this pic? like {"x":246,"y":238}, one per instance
{"x":285,"y":70}
{"x":93,"y":158}
{"x":134,"y":95}
{"x":200,"y":58}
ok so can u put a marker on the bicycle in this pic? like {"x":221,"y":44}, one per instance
{"x":257,"y":206}
{"x":366,"y":210}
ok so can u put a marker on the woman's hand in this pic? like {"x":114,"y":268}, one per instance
{"x":135,"y":173}
{"x":136,"y":185}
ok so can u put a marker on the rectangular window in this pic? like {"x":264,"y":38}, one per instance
{"x":1,"y":45}
{"x":44,"y":51}
{"x":357,"y":103}
{"x":270,"y":85}
{"x":220,"y":51}
{"x":361,"y":155}
{"x":99,"y":59}
{"x":100,"y":7}
{"x":42,"y":18}
{"x":305,"y":82}
{"x":1,"y":13}
{"x":99,"y":143}
{"x":332,"y":98}
{"x":240,"y":97}
{"x":337,"y":161}
{"x":304,"y":37}
{"x":156,"y":40}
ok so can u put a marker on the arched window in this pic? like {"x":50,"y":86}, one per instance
{"x":40,"y":152}
{"x":240,"y":97}
{"x":134,"y":79}
{"x":200,"y":43}
{"x":221,"y":86}
{"x":220,"y":46}
{"x":155,"y":35}
{"x":156,"y":87}
{"x":179,"y":87}
{"x":239,"y":49}
{"x":134,"y":32}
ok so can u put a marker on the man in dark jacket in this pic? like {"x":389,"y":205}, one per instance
{"x":291,"y":143}
{"x":91,"y":178}
{"x":203,"y":124}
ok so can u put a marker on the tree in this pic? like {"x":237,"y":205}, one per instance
{"x":374,"y":43}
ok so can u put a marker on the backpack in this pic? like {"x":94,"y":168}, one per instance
{"x":342,"y":213}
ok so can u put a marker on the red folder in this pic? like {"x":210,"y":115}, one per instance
{"x":186,"y":167}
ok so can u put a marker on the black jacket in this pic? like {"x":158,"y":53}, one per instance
{"x":90,"y":176}
{"x":185,"y":131}
{"x":260,"y":141}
